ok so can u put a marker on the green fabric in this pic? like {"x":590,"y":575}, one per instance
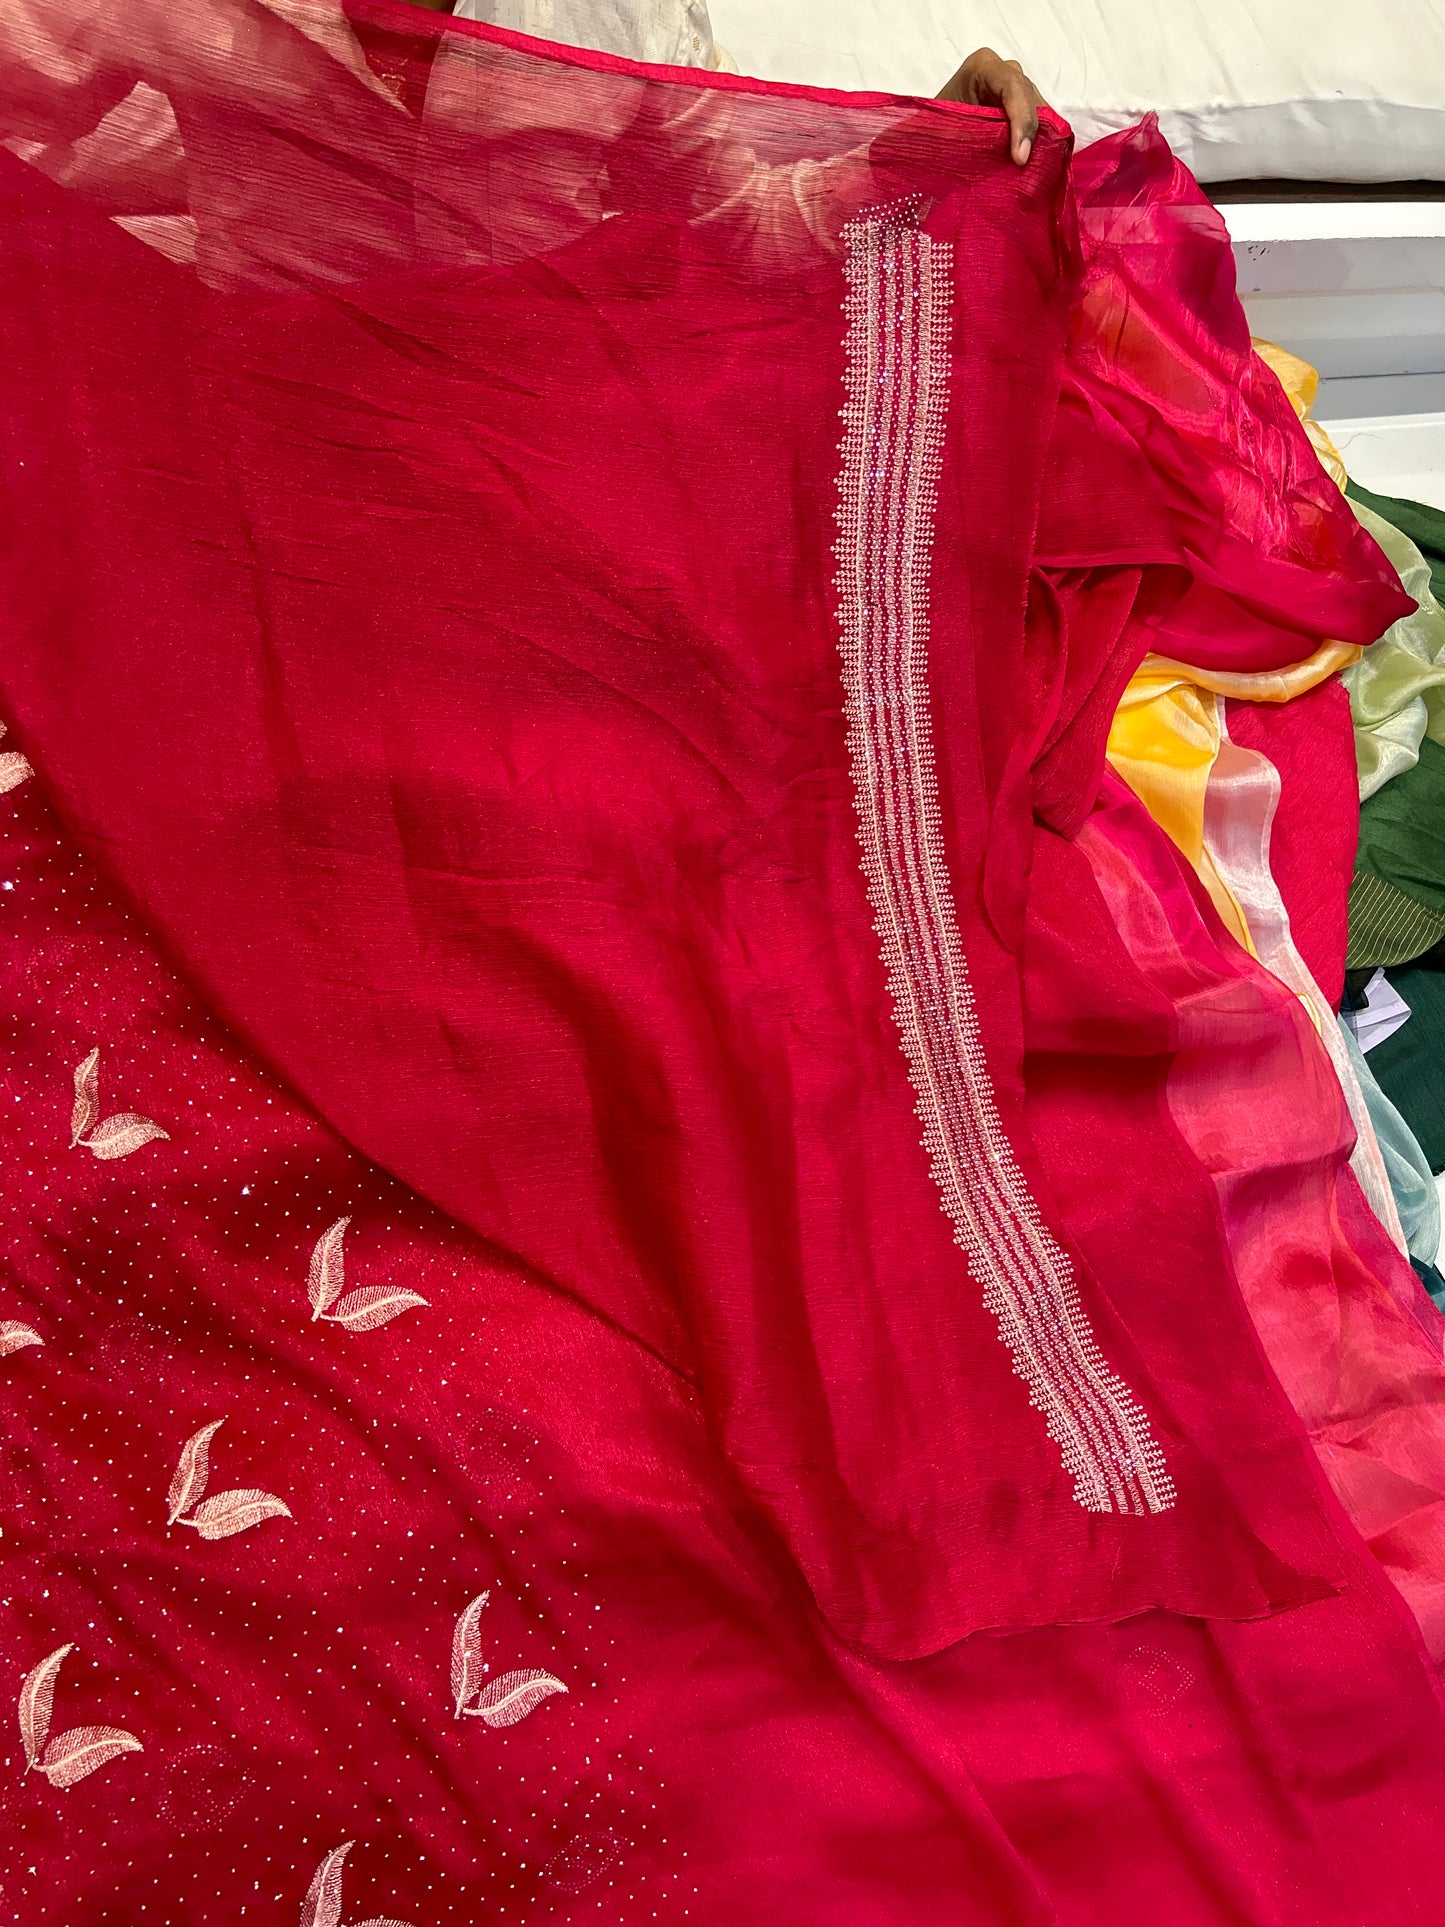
{"x":1432,"y":1281}
{"x":1397,"y":901}
{"x":1397,"y":690}
{"x":1386,"y":926}
{"x":1410,"y":1066}
{"x":1406,"y":1166}
{"x":1424,"y":525}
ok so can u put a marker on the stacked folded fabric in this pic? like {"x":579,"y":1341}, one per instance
{"x":1397,"y":895}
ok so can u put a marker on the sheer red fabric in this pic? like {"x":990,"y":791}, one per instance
{"x":1346,"y":1324}
{"x":488,"y":609}
{"x":717,"y":1755}
{"x":1316,"y":827}
{"x":488,"y":534}
{"x":1160,"y":344}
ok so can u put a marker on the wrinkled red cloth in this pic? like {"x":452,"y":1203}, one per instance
{"x":1161,"y":347}
{"x":1346,"y":1323}
{"x":518,"y":790}
{"x":717,"y":1756}
{"x":1277,"y":562}
{"x":1316,"y":827}
{"x":428,"y":555}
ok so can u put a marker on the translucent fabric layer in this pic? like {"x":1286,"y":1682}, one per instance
{"x":615,"y":1155}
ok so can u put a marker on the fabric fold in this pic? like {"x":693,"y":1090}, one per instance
{"x":513,"y":805}
{"x":578,"y":1040}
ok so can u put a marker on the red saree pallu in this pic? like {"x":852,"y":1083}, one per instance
{"x":566,"y":615}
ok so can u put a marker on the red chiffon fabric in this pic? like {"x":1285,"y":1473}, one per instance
{"x":487,"y":611}
{"x":717,"y":1755}
{"x":1316,"y":827}
{"x":1346,"y":1324}
{"x":420,"y":595}
{"x":1159,"y":344}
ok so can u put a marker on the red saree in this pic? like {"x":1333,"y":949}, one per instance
{"x":491,"y":534}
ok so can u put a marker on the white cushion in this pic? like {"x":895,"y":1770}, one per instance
{"x":1296,"y":89}
{"x":675,"y":33}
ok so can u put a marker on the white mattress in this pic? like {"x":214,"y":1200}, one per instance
{"x":1294,"y":89}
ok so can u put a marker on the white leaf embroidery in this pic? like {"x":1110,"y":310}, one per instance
{"x":467,"y":1652}
{"x":326,"y":1279}
{"x":237,"y":1511}
{"x":373,"y":1305}
{"x":513,"y":1696}
{"x":14,"y":769}
{"x":70,"y":1756}
{"x":322,"y":1906}
{"x":37,"y":1694}
{"x":192,"y":1472}
{"x":15,"y":1337}
{"x":118,"y":1136}
{"x":87,"y":1097}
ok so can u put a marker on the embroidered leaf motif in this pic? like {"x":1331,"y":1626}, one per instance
{"x":513,"y":1696}
{"x":467,"y":1652}
{"x":358,"y":1311}
{"x":373,"y":1305}
{"x":15,"y":1337}
{"x":231,"y":1512}
{"x":192,"y":1472}
{"x":37,"y":1695}
{"x":87,"y":1097}
{"x":327,"y":1277}
{"x":70,"y":1756}
{"x":73,"y":1754}
{"x":322,"y":1906}
{"x":118,"y":1136}
{"x":13,"y":770}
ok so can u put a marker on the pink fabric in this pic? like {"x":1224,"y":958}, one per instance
{"x":1160,"y":346}
{"x":1316,"y":828}
{"x":1346,"y":1324}
{"x":423,"y":582}
{"x":517,"y":788}
{"x":717,"y":1756}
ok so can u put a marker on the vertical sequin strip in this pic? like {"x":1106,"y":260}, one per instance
{"x":898,"y":310}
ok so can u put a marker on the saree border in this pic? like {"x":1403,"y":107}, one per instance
{"x":898,"y":366}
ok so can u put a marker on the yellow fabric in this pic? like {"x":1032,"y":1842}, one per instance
{"x":1166,"y":731}
{"x":1165,"y":738}
{"x":1302,"y":383}
{"x":1163,"y":742}
{"x":1267,"y":685}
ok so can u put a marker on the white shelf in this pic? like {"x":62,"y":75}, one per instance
{"x":1358,"y":289}
{"x":1396,"y":454}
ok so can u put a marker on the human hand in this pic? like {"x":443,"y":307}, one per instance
{"x":986,"y":79}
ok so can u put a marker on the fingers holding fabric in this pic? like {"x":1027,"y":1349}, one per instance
{"x":986,"y":79}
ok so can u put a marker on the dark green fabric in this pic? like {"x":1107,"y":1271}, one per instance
{"x":1402,"y":830}
{"x":1386,"y":926}
{"x":1432,"y":1281}
{"x":1397,"y":903}
{"x":1399,"y":892}
{"x":1424,"y":525}
{"x":1410,"y":1065}
{"x":1397,"y":900}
